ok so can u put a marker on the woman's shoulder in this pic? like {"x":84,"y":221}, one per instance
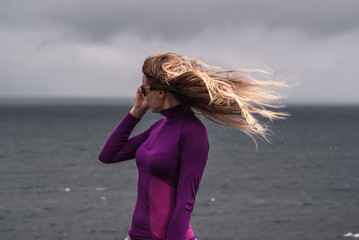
{"x":192,"y":124}
{"x":194,"y":133}
{"x":158,"y":123}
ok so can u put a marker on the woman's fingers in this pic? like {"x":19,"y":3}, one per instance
{"x":140,"y":100}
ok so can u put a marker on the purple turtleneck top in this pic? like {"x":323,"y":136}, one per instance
{"x":170,"y":156}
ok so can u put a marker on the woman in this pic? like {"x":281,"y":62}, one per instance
{"x":171,"y":155}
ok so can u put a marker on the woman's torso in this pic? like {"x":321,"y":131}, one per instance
{"x":159,"y":167}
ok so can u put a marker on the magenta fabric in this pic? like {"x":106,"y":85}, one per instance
{"x":170,"y":156}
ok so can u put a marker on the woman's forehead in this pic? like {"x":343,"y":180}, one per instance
{"x":144,"y":80}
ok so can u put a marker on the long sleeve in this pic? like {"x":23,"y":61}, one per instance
{"x":194,"y":154}
{"x":119,"y":147}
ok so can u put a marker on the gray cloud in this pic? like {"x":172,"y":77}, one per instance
{"x":95,"y":48}
{"x":101,"y":20}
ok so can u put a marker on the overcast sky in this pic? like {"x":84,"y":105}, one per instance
{"x":87,"y":48}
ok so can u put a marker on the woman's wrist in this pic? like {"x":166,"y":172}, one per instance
{"x":138,"y":112}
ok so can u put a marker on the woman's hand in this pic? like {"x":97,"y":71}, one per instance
{"x":141,"y":105}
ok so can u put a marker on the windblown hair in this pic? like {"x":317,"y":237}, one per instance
{"x":230,"y":97}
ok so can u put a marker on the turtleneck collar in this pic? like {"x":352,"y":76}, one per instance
{"x":175,"y":113}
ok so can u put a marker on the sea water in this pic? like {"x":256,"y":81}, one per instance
{"x":302,"y":185}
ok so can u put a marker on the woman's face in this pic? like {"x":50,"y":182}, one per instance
{"x":153,"y":97}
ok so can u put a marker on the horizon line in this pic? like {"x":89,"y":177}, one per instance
{"x":128,"y":100}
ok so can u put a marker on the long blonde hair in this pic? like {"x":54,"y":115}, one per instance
{"x":229,"y":97}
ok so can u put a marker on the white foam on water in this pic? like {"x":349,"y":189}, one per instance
{"x":350,"y":234}
{"x":100,"y":189}
{"x":65,"y":189}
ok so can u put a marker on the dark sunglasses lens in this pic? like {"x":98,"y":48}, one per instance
{"x":143,"y":90}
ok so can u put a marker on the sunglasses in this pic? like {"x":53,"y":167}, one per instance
{"x":145,"y":90}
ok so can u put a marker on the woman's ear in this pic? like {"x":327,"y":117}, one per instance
{"x":161,"y":94}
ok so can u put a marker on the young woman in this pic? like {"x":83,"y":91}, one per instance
{"x":171,"y":154}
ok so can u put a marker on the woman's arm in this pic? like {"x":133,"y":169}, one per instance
{"x":194,"y":156}
{"x":118,"y":147}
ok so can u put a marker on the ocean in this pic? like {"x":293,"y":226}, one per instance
{"x":302,"y":185}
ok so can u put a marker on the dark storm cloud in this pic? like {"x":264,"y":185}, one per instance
{"x":88,"y":48}
{"x":101,"y":20}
